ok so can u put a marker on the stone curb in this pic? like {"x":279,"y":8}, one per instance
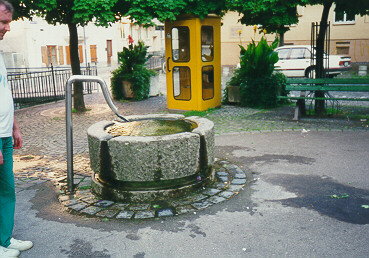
{"x":230,"y":180}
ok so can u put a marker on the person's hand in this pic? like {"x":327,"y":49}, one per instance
{"x":17,"y":136}
{"x":1,"y":158}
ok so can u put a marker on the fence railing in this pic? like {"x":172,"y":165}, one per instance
{"x":155,"y":62}
{"x":32,"y":86}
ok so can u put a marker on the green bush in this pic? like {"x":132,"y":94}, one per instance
{"x":258,"y":60}
{"x":259,"y":86}
{"x":263,"y":92}
{"x":133,"y":69}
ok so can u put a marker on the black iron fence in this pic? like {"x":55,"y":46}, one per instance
{"x":32,"y":86}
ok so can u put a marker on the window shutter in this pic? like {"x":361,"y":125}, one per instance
{"x":67,"y":54}
{"x":80,"y":50}
{"x":44,"y":55}
{"x":61,"y":55}
{"x":93,"y":53}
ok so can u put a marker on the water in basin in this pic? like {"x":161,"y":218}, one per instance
{"x":152,"y":127}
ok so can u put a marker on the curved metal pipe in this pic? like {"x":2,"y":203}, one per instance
{"x":68,"y":117}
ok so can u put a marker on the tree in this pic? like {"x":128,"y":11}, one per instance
{"x":144,"y":11}
{"x":75,"y":13}
{"x":272,"y":15}
{"x":352,"y":7}
{"x":72,"y":13}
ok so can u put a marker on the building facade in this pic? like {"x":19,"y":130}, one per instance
{"x":38,"y":44}
{"x":348,"y":35}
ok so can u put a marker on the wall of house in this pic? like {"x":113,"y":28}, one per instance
{"x":30,"y":43}
{"x":26,"y":44}
{"x":351,"y":38}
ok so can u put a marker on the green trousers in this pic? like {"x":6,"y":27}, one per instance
{"x":7,"y":192}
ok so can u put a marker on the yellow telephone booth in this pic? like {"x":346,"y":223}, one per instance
{"x":192,"y":50}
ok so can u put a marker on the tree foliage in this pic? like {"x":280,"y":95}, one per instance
{"x":143,"y":11}
{"x":72,"y":13}
{"x":103,"y":12}
{"x":272,"y":15}
{"x":352,"y":7}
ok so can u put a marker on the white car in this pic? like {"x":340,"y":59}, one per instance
{"x":295,"y":61}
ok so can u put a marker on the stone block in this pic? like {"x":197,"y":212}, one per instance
{"x":96,"y":135}
{"x":125,"y":215}
{"x":92,"y":210}
{"x":136,"y":158}
{"x":144,"y":215}
{"x":227,"y":194}
{"x":165,"y":212}
{"x":201,"y":205}
{"x":104,"y":203}
{"x":206,"y":131}
{"x":238,"y":181}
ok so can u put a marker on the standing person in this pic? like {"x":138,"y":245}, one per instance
{"x":9,"y":130}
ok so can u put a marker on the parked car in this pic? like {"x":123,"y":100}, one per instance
{"x":296,"y":61}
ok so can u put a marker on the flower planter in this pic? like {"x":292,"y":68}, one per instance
{"x":154,"y":86}
{"x":127,"y":92}
{"x":234,"y":94}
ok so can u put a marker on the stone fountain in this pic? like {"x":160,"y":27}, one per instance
{"x":154,"y":163}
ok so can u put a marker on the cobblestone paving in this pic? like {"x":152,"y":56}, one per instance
{"x":230,"y":179}
{"x":45,"y":135}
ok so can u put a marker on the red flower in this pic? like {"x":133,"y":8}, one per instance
{"x":130,"y":39}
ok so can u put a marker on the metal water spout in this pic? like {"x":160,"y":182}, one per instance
{"x":68,"y":116}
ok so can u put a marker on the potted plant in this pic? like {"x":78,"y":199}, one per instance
{"x":154,"y":83}
{"x":233,"y":87}
{"x":131,"y":80}
{"x":258,"y":86}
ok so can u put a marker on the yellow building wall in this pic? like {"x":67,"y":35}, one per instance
{"x":348,"y":39}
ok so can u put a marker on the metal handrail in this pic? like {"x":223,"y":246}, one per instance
{"x":68,"y":117}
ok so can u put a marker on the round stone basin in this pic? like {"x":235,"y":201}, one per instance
{"x":152,"y":127}
{"x":152,"y":157}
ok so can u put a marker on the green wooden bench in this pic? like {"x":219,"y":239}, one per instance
{"x":327,"y":85}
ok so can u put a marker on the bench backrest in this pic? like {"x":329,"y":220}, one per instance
{"x":328,"y":84}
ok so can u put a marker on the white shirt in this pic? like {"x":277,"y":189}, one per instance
{"x":6,"y":103}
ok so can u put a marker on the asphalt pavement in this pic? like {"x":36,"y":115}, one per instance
{"x":307,"y":190}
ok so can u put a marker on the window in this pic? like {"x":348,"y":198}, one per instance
{"x":51,"y":55}
{"x":181,"y":44}
{"x":147,"y":33}
{"x":342,"y":17}
{"x":67,"y":54}
{"x":298,"y":53}
{"x":207,"y":44}
{"x":182,"y":83}
{"x":283,"y":53}
{"x":207,"y":82}
{"x":343,"y":50}
{"x":80,"y":52}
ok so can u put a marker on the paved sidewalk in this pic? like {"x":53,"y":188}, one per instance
{"x":285,"y":209}
{"x":43,"y":126}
